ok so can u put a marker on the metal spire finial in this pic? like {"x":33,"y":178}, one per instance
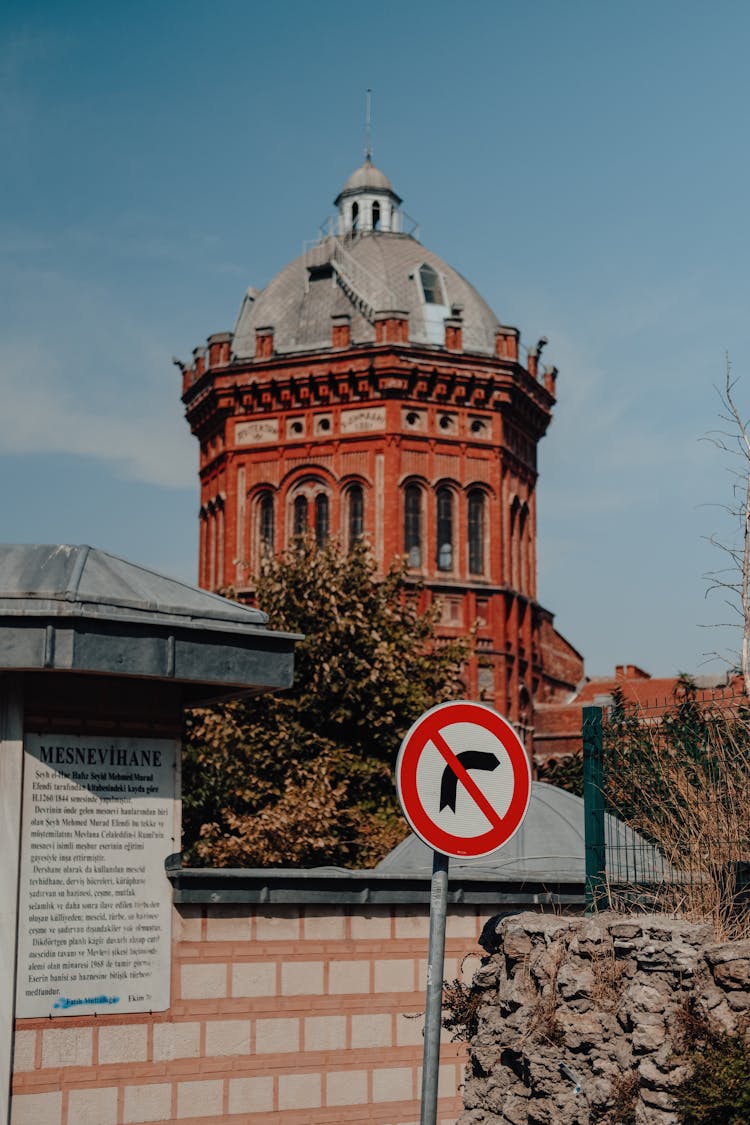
{"x":368,"y":126}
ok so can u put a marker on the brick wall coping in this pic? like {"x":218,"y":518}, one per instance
{"x":337,"y":886}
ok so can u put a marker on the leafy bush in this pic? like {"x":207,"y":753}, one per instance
{"x":717,"y":1091}
{"x":566,"y":773}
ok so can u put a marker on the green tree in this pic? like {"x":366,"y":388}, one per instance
{"x":306,"y":776}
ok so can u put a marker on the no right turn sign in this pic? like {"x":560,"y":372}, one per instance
{"x":463,"y":779}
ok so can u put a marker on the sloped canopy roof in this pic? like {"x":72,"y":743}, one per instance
{"x":78,"y":609}
{"x":65,"y":580}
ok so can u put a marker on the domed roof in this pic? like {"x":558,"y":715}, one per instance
{"x":367,"y":178}
{"x":379,"y":269}
{"x":549,"y":845}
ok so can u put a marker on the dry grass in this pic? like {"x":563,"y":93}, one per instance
{"x":687,"y":791}
{"x":608,"y":975}
{"x":544,"y":1020}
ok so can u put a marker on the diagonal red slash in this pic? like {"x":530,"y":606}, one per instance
{"x":466,"y":780}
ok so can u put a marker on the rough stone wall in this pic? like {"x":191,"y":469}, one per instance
{"x":580,"y":1019}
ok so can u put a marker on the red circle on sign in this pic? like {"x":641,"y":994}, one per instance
{"x":427,"y":730}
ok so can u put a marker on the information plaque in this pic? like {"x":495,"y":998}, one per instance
{"x":95,"y":902}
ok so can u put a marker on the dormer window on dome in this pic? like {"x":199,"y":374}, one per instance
{"x":435,"y":305}
{"x":432,"y":289}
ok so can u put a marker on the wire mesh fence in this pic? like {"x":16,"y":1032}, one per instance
{"x":667,"y":807}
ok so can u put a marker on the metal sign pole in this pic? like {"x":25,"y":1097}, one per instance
{"x":434,"y":1001}
{"x":439,"y":753}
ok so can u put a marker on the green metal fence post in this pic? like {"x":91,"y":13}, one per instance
{"x":593,"y":803}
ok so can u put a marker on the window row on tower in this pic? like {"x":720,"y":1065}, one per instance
{"x":432,"y":522}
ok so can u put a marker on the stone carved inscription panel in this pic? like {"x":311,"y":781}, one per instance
{"x":363,"y":421}
{"x":95,"y":902}
{"x":256,"y":433}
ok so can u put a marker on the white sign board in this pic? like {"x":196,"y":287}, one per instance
{"x":463,"y":779}
{"x":95,"y":902}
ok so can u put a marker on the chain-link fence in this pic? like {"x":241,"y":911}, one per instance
{"x":667,"y":807}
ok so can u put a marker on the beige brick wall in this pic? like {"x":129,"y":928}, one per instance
{"x":276,"y":1014}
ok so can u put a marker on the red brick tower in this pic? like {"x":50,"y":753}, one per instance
{"x":368,"y":390}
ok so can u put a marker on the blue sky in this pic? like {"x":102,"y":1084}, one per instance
{"x":584,"y":164}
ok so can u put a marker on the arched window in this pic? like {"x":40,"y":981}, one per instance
{"x":355,"y":216}
{"x":413,"y":524}
{"x":476,"y":532}
{"x":432,"y":290}
{"x":300,"y":515}
{"x":356,"y":514}
{"x":376,"y":216}
{"x":266,"y":523}
{"x":321,"y":519}
{"x":444,"y":529}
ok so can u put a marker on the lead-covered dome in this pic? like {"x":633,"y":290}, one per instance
{"x":376,"y":272}
{"x":368,"y":266}
{"x":367,"y":178}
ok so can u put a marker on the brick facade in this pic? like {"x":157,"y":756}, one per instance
{"x":288,"y":1015}
{"x":415,"y":427}
{"x":558,"y":726}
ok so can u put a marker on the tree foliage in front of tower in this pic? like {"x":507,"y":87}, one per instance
{"x":306,"y":776}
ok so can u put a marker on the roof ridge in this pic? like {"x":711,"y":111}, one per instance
{"x":82,"y":554}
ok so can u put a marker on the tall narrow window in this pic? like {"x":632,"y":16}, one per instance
{"x":413,"y":524}
{"x":376,"y":216}
{"x":476,"y":533}
{"x":300,"y":515}
{"x":356,"y":514}
{"x":444,"y":529}
{"x":267,"y":528}
{"x":523,"y":551}
{"x":321,"y":519}
{"x":355,"y":216}
{"x":431,"y":287}
{"x":514,"y":547}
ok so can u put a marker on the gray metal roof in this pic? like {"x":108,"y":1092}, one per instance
{"x":64,"y":580}
{"x":338,"y":886}
{"x":544,"y":863}
{"x":75,"y":608}
{"x":299,"y":306}
{"x":549,"y":847}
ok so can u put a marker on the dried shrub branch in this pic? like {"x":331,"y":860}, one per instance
{"x":682,"y":782}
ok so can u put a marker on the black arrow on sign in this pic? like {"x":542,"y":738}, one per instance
{"x":470,"y":760}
